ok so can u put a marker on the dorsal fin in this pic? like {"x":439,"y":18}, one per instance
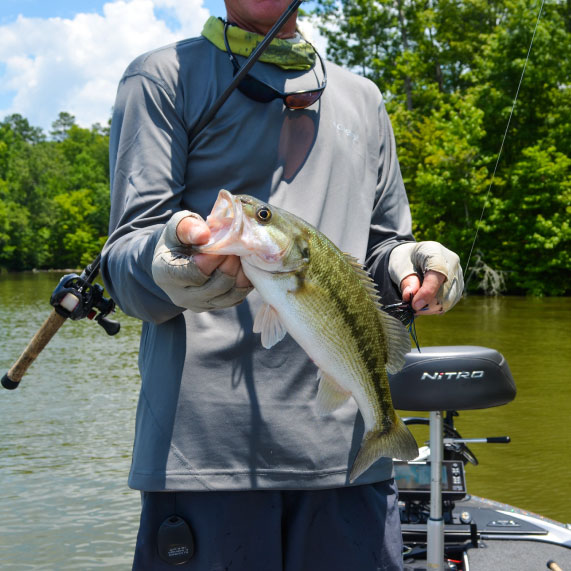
{"x":365,"y":278}
{"x":397,"y":336}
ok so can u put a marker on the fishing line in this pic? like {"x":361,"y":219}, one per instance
{"x":412,"y":333}
{"x":503,"y":141}
{"x":403,"y":311}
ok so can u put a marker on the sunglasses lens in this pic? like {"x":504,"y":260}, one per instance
{"x":302,"y":100}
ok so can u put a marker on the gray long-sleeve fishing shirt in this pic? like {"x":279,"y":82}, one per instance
{"x":216,"y":410}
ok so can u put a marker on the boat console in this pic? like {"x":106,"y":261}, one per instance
{"x":413,"y":480}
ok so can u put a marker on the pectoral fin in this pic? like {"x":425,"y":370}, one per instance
{"x":330,"y":395}
{"x":269,"y":325}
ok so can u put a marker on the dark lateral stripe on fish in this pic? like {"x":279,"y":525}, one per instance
{"x":374,"y":363}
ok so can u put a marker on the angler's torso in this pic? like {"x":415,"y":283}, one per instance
{"x":240,"y":416}
{"x":320,"y":163}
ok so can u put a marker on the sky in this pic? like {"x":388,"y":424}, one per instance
{"x":68,"y":55}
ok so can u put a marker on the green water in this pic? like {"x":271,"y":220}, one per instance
{"x":67,"y":431}
{"x":533,"y":472}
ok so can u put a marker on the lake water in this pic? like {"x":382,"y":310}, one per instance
{"x":67,"y":430}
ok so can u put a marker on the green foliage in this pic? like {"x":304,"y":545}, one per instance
{"x":54,"y":194}
{"x":538,"y":238}
{"x":449,"y":70}
{"x":447,"y":185}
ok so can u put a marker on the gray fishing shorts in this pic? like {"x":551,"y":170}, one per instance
{"x":341,"y":529}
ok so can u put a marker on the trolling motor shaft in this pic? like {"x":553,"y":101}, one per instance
{"x":75,"y":297}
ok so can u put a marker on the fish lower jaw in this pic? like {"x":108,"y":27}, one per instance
{"x":253,"y":264}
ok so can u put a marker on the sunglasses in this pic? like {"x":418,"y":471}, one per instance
{"x":259,"y":91}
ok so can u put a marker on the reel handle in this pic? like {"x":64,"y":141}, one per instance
{"x":11,"y":380}
{"x":110,"y":326}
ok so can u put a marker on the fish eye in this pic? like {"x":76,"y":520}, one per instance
{"x":264,"y":214}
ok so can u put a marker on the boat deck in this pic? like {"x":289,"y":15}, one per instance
{"x":483,"y":535}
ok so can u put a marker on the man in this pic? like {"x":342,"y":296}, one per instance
{"x":237,"y":470}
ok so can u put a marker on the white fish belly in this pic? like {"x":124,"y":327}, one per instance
{"x":315,"y":330}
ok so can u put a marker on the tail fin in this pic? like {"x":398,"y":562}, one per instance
{"x":397,"y":442}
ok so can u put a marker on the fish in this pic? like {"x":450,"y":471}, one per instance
{"x":325,"y":300}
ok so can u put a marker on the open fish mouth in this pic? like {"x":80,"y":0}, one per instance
{"x":234,"y":232}
{"x":225,"y":221}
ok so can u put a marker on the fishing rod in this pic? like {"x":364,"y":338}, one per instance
{"x":76,"y":296}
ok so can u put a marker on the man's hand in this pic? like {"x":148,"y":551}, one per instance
{"x":429,"y":276}
{"x":193,"y":230}
{"x":198,"y":282}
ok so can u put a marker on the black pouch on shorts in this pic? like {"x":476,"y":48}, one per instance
{"x":175,"y":542}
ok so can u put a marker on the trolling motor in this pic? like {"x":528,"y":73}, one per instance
{"x":75,"y":297}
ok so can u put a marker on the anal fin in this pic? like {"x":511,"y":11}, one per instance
{"x":330,"y":395}
{"x":398,"y":341}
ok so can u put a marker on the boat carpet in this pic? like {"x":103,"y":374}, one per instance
{"x":506,"y":555}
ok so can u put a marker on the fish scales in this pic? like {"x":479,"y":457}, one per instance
{"x":363,"y":341}
{"x":328,"y":304}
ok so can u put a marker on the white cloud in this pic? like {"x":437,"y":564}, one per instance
{"x":309,"y":27}
{"x":74,"y":65}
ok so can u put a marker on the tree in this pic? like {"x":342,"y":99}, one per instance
{"x":537,"y":236}
{"x":61,"y":126}
{"x":54,"y":195}
{"x":444,"y":173}
{"x":22,"y":129}
{"x":449,"y":70}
